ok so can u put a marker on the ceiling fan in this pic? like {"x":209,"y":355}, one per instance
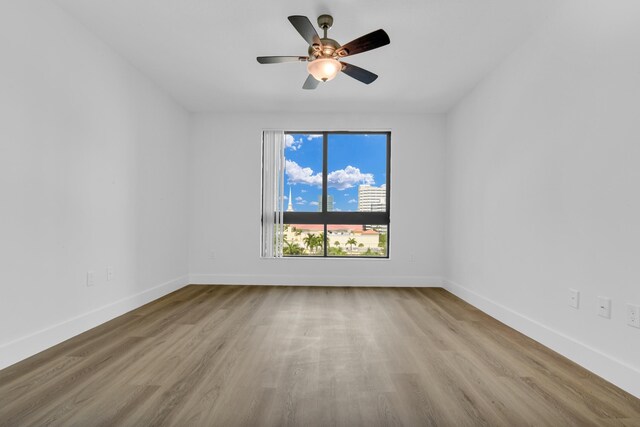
{"x":325,"y":54}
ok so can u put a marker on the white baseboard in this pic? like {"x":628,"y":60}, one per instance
{"x":324,"y":280}
{"x":613,"y":370}
{"x":17,"y":350}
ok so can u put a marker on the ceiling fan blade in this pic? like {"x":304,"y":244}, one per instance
{"x":305,"y":28}
{"x":280,"y":59}
{"x":367,"y":42}
{"x":310,"y":83}
{"x":358,"y":73}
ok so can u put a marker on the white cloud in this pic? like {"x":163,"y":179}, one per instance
{"x":299,"y":199}
{"x":301,"y":202}
{"x":340,"y":179}
{"x":352,"y":201}
{"x":292,"y":143}
{"x":303,"y":191}
{"x":338,"y":210}
{"x":314,"y":203}
{"x":285,"y":197}
{"x":345,"y":194}
{"x":348,"y":178}
{"x":312,"y":137}
{"x":296,"y":174}
{"x":288,"y":141}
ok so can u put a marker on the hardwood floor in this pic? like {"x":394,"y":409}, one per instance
{"x":306,"y":356}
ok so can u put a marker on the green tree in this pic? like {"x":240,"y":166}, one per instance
{"x":292,"y":248}
{"x":319,"y":241}
{"x":351,"y":242}
{"x":336,"y":244}
{"x":336,"y":251}
{"x":382,"y":240}
{"x":310,"y":241}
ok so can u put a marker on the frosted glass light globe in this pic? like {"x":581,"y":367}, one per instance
{"x":324,"y":69}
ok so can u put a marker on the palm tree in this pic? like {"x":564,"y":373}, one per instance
{"x":292,"y":248}
{"x":317,"y":242}
{"x":336,"y":244}
{"x":320,"y":241}
{"x":310,"y":241}
{"x":351,"y":242}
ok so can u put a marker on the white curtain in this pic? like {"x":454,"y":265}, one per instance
{"x":272,"y":240}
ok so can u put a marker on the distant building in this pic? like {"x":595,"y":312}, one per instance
{"x":330,"y":204}
{"x":290,"y":206}
{"x":372,"y":199}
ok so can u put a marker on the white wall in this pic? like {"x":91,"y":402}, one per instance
{"x":541,"y":188}
{"x":543,"y":179}
{"x":225,"y":210}
{"x":93,"y":173}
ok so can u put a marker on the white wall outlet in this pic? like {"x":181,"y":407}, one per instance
{"x":604,"y":307}
{"x":91,"y":278}
{"x":109,"y":274}
{"x":574,"y":298}
{"x":633,"y":315}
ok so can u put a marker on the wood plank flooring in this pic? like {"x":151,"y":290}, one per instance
{"x":306,"y":356}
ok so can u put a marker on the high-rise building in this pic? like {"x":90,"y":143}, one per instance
{"x":329,"y":203}
{"x":372,"y":199}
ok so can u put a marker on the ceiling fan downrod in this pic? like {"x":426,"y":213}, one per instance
{"x":325,"y":22}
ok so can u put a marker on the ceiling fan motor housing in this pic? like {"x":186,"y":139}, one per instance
{"x":328,"y":46}
{"x":327,"y":50}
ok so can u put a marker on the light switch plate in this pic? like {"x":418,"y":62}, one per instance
{"x":574,"y":298}
{"x":604,"y":307}
{"x":91,"y":278}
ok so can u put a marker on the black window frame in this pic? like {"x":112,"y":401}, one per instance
{"x":325,"y":217}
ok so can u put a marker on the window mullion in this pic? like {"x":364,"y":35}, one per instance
{"x":325,"y":184}
{"x":325,"y":240}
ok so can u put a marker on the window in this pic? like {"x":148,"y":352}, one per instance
{"x":336,"y":194}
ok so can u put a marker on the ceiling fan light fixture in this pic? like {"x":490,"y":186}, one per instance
{"x":324,"y":69}
{"x":324,"y":54}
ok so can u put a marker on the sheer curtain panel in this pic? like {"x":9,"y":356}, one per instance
{"x":273,"y":166}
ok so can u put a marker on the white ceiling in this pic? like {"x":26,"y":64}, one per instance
{"x":203,"y":51}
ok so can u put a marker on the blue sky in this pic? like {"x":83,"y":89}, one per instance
{"x":353,"y":159}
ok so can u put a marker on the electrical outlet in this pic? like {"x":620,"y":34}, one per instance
{"x":574,"y":298}
{"x":109,"y":274}
{"x":91,"y":278}
{"x":604,"y":307}
{"x":633,"y":315}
